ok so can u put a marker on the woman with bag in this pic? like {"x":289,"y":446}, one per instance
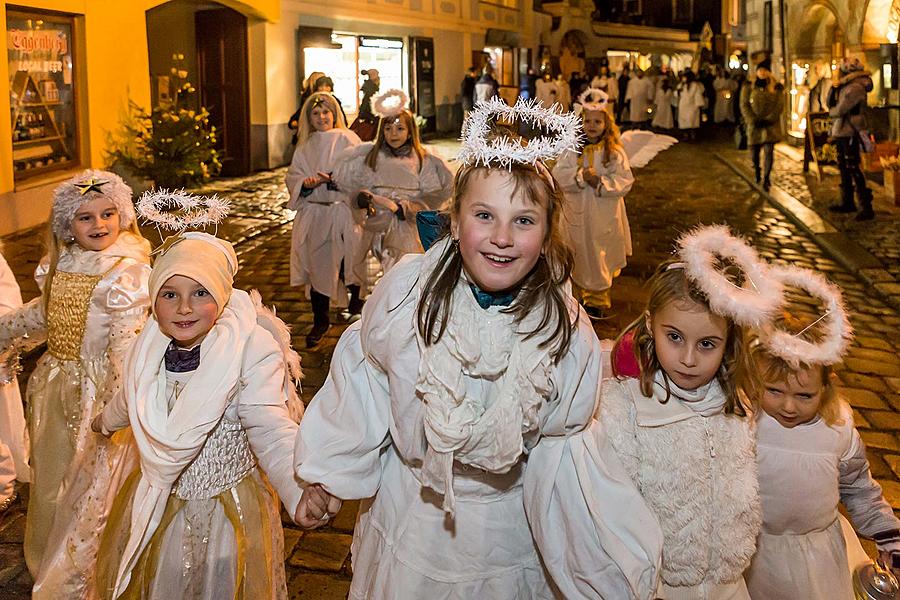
{"x":847,"y":103}
{"x":762,"y":103}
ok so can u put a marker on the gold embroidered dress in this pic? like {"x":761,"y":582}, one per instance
{"x":98,"y":303}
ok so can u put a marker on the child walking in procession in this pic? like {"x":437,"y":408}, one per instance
{"x":680,"y":427}
{"x":94,"y":301}
{"x":13,"y":437}
{"x":811,"y":458}
{"x":207,"y":387}
{"x":393,"y":179}
{"x":468,"y":359}
{"x":325,"y":239}
{"x":595,"y":182}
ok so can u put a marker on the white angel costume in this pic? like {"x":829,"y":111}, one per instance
{"x":663,"y":101}
{"x":200,"y":520}
{"x":439,"y":436}
{"x":804,"y":473}
{"x":325,"y":235}
{"x":98,"y":303}
{"x":400,"y":177}
{"x":696,"y":468}
{"x":690,"y":101}
{"x":596,"y":221}
{"x":639,"y":94}
{"x":13,"y":436}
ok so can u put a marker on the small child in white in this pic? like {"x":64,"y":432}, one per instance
{"x":207,"y":387}
{"x":595,"y":182}
{"x":811,"y":458}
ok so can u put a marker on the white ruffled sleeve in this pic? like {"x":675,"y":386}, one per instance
{"x":616,"y":177}
{"x":596,"y":535}
{"x":565,"y":171}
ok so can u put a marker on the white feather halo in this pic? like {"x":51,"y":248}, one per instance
{"x":752,"y":304}
{"x":190,"y":211}
{"x":592,"y":99}
{"x":390,"y":104}
{"x":503,"y":150}
{"x":838,"y":331}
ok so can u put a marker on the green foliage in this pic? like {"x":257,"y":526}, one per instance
{"x":173,"y":145}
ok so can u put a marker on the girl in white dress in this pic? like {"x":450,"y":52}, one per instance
{"x":325,"y":238}
{"x":468,"y":359}
{"x":811,"y":459}
{"x":663,"y":101}
{"x":595,"y":182}
{"x":392,"y":179}
{"x":681,"y":429}
{"x":94,"y":302}
{"x":13,"y":437}
{"x":208,"y":389}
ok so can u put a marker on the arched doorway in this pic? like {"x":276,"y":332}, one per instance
{"x":212,"y":38}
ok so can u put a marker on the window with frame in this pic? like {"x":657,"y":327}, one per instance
{"x":42,"y":92}
{"x":682,"y":11}
{"x":631,"y":7}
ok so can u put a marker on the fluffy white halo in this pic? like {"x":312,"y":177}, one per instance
{"x":565,"y":130}
{"x":390,"y":104}
{"x":838,"y":332}
{"x":192,"y":211}
{"x":592,"y":99}
{"x":752,"y":304}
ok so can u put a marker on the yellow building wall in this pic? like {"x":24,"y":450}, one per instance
{"x":114,"y":68}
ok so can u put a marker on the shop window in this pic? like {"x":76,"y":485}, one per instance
{"x":41,"y":92}
{"x":682,"y":11}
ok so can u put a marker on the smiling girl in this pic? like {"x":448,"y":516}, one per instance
{"x":685,"y":439}
{"x":325,"y":238}
{"x":207,"y":391}
{"x":467,"y":360}
{"x":392,"y":179}
{"x":94,"y":302}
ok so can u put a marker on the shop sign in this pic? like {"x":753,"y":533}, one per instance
{"x":818,"y":148}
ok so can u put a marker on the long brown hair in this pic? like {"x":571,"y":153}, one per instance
{"x":542,"y":289}
{"x":774,"y":368}
{"x":668,"y":285}
{"x":414,"y":140}
{"x":611,"y":139}
{"x":305,"y":129}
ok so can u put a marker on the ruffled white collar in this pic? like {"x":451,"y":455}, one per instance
{"x":705,"y":401}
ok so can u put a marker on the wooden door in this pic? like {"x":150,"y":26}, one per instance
{"x":222,"y":68}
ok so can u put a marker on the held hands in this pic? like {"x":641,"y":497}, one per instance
{"x":316,"y":180}
{"x":316,"y":507}
{"x":385,"y":202}
{"x":590,"y":177}
{"x":97,"y":426}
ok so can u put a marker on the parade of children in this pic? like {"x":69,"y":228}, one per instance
{"x":480,"y":425}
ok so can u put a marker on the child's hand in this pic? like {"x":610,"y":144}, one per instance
{"x":385,"y":202}
{"x":890,"y":560}
{"x":97,"y":426}
{"x":312,"y":182}
{"x":590,"y":177}
{"x":316,"y":507}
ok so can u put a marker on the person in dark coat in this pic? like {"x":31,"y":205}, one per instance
{"x":762,"y":104}
{"x":624,"y":78}
{"x":847,"y":104}
{"x":467,"y":90}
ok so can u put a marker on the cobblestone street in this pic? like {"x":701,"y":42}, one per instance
{"x":684,"y":186}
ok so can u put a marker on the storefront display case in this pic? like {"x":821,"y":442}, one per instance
{"x":42,"y":93}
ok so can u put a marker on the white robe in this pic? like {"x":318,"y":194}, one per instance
{"x":690,"y":101}
{"x":546,"y":92}
{"x":13,"y":436}
{"x":364,"y":435}
{"x":640,"y":94}
{"x":596,"y":219}
{"x":400,"y":179}
{"x":804,"y":473}
{"x":324,"y":233}
{"x":662,"y":111}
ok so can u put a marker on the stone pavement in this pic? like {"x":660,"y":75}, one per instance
{"x":869,"y":248}
{"x":684,"y":186}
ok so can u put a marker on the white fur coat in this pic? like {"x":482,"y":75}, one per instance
{"x":699,"y":476}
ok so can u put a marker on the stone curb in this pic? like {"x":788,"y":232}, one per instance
{"x":837,"y":245}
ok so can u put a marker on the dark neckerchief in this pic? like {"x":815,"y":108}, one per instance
{"x":403,"y":151}
{"x":488,"y":299}
{"x":179,"y":360}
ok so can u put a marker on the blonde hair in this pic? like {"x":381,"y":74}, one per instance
{"x":414,"y":140}
{"x":668,"y":285}
{"x":314,"y":100}
{"x":55,"y":246}
{"x":543,"y":287}
{"x":774,"y":368}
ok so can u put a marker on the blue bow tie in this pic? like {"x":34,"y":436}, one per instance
{"x":487,"y":299}
{"x":179,"y":360}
